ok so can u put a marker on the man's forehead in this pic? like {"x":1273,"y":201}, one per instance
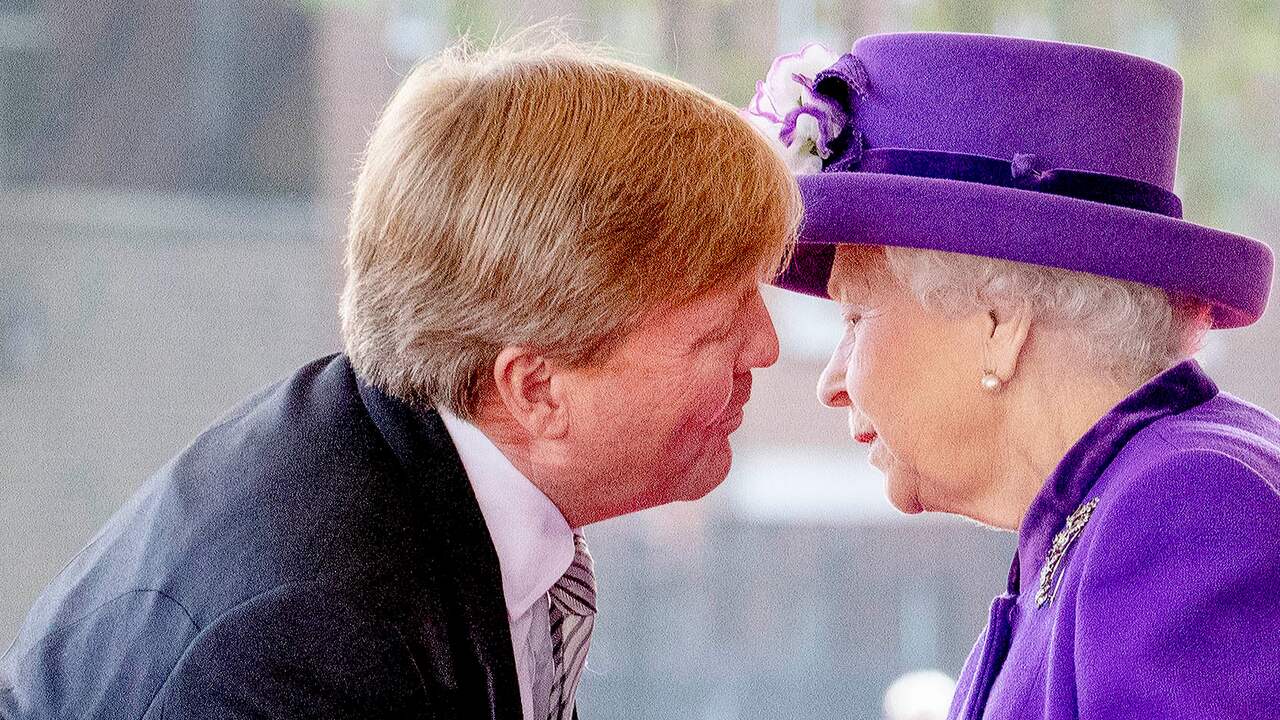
{"x":712,"y":305}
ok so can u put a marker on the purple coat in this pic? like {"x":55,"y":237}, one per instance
{"x":1147,"y":578}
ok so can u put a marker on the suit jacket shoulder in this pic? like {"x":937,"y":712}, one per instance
{"x":316,"y":526}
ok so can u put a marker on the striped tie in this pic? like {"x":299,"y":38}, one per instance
{"x":573,"y":613}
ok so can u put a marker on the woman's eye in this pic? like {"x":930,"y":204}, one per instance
{"x":852,"y":319}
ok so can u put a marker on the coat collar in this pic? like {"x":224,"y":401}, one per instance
{"x":535,"y":544}
{"x":1175,"y":390}
{"x":437,"y":484}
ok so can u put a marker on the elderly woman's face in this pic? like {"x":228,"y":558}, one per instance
{"x":910,"y":379}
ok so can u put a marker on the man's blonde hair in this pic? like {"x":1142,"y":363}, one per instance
{"x":544,"y":195}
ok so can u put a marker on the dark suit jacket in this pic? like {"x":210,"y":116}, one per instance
{"x":318,"y":553}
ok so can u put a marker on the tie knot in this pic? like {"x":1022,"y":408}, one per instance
{"x":575,"y":591}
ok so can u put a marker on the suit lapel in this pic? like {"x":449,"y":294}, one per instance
{"x":457,"y":542}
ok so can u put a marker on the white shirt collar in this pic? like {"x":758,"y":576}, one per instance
{"x":533,"y":541}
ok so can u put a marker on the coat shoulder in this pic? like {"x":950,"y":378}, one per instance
{"x":1190,"y":505}
{"x":1224,"y":451}
{"x":293,"y":495}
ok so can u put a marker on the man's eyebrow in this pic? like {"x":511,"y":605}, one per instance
{"x":732,"y":316}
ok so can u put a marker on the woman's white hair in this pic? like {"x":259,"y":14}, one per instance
{"x":1128,"y":330}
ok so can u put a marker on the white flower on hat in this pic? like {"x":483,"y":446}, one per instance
{"x":785,"y":108}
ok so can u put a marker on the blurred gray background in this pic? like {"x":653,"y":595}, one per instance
{"x":173,"y":175}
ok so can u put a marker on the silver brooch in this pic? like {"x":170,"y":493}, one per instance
{"x":1075,"y":525}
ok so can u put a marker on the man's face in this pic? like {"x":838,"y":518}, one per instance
{"x":650,"y":423}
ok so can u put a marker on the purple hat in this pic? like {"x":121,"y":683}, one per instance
{"x":1039,"y":152}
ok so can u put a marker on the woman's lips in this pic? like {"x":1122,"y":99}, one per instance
{"x":866,"y":438}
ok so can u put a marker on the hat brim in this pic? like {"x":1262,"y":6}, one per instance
{"x":1232,"y":272}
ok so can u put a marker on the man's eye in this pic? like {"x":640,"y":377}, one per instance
{"x":852,"y":319}
{"x":714,"y":336}
{"x":720,"y":333}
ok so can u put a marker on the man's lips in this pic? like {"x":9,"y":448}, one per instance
{"x":866,"y":438}
{"x":733,"y":414}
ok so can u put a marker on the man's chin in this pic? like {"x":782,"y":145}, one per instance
{"x":701,"y":476}
{"x":706,"y":477}
{"x":699,"y":491}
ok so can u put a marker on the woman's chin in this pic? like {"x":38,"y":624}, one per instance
{"x":903,"y":495}
{"x":901,"y":485}
{"x":909,"y":507}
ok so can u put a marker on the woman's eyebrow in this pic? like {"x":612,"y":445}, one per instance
{"x":846,"y":293}
{"x":853,"y":286}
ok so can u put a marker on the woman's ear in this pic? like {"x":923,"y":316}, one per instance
{"x":1007,"y":332}
{"x":524,"y":380}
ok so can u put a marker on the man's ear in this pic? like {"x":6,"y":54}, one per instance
{"x":523,"y":380}
{"x":1006,"y":338}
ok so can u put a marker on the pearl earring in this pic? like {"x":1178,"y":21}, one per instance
{"x":990,"y":382}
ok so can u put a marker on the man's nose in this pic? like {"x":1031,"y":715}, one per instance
{"x":831,"y":388}
{"x":763,"y":346}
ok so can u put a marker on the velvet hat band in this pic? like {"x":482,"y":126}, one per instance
{"x":1020,"y":173}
